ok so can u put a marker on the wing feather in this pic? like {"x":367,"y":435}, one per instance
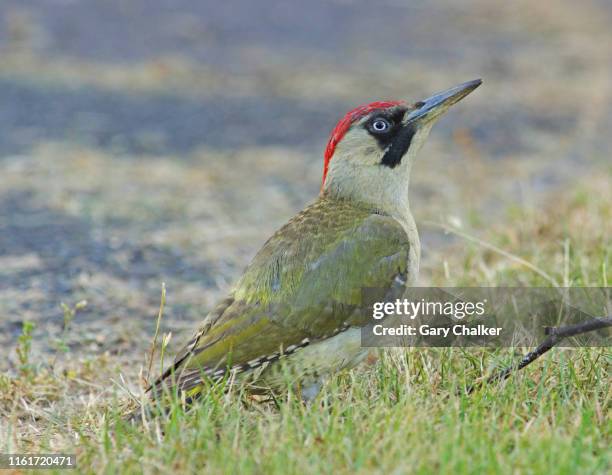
{"x":304,"y":285}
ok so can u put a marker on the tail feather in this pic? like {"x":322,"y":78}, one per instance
{"x":187,"y":385}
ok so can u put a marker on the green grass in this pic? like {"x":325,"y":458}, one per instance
{"x":401,"y":413}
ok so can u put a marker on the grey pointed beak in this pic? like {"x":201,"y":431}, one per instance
{"x":437,"y":104}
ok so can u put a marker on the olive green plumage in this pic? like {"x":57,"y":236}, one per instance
{"x":300,"y":298}
{"x":301,"y":288}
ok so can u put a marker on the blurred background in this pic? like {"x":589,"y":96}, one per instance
{"x":150,"y":141}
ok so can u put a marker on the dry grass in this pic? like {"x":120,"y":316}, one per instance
{"x":85,"y":214}
{"x":404,"y":413}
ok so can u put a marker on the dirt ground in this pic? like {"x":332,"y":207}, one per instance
{"x":148,"y":141}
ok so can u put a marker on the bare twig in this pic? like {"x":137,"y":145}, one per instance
{"x":556,"y":336}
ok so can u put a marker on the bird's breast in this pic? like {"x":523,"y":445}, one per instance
{"x":313,"y":364}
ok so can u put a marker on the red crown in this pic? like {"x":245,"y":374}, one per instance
{"x":344,"y":125}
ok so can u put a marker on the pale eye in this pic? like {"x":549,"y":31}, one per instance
{"x":380,"y":125}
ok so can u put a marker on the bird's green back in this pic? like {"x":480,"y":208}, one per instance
{"x":302,"y":286}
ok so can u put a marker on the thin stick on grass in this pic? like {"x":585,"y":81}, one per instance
{"x":162,"y":303}
{"x":556,"y":335}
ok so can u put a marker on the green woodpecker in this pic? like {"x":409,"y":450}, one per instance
{"x":292,"y":311}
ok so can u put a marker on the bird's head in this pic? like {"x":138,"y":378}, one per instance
{"x":371,"y":149}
